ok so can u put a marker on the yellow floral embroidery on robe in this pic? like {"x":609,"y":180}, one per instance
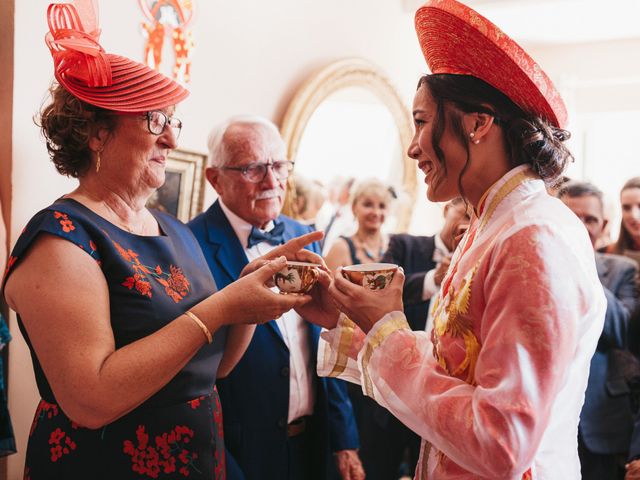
{"x":449,"y":318}
{"x":511,"y":409}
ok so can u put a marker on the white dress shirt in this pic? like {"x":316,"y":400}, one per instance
{"x":293,"y":328}
{"x":344,"y":224}
{"x":429,"y":289}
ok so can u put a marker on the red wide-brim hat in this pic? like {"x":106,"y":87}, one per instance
{"x":102,"y":79}
{"x":457,"y":40}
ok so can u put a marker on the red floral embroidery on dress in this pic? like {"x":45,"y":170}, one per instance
{"x":140,"y":283}
{"x":195,"y":403}
{"x":174,"y":282}
{"x":169,"y":452}
{"x":67,"y":225}
{"x":217,"y":414}
{"x":60,"y":447}
{"x":219,"y":458}
{"x":45,"y":409}
{"x":176,"y":285}
{"x":93,"y":251}
{"x":10,"y":263}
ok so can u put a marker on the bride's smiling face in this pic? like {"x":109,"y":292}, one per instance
{"x":441,"y":179}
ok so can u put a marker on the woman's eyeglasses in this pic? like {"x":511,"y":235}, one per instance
{"x":257,"y":172}
{"x":157,"y":121}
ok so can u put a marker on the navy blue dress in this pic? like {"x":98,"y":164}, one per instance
{"x":177,"y":433}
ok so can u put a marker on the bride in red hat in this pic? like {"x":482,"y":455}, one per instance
{"x":115,"y":301}
{"x":496,"y":389}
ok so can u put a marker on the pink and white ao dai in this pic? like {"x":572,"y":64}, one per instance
{"x":496,"y":390}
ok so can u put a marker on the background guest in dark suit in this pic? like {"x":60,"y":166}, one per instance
{"x":425,"y":260}
{"x":281,"y":421}
{"x":606,"y":419}
{"x":389,"y":448}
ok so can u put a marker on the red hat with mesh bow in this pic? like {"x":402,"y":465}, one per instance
{"x":102,"y":79}
{"x":457,"y":40}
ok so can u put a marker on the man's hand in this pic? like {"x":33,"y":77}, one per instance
{"x":321,"y":310}
{"x":441,"y":271}
{"x":633,"y":470}
{"x":292,"y":250}
{"x":349,"y":465}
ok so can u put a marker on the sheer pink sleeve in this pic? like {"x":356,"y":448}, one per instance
{"x":527,"y":312}
{"x":338,"y":351}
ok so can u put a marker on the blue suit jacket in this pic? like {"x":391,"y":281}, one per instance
{"x":415,"y":255}
{"x":606,"y":420}
{"x":255,"y":396}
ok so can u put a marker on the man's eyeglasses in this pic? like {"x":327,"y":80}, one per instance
{"x":257,"y":172}
{"x":157,"y":121}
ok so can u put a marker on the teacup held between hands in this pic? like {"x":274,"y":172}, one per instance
{"x":375,"y":276}
{"x":296,"y":278}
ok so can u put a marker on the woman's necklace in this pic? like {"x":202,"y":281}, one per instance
{"x":135,"y":231}
{"x":108,"y":212}
{"x":139,"y":229}
{"x":128,"y":228}
{"x":368,"y":251}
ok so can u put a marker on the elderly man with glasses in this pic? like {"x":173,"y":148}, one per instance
{"x":280,"y":419}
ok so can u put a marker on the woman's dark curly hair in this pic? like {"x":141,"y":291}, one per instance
{"x":528,"y":139}
{"x":67,"y":124}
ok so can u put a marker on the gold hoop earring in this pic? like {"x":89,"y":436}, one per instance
{"x":98,"y":162}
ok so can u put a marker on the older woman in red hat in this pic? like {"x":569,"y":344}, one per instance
{"x":497,"y":390}
{"x":115,"y":301}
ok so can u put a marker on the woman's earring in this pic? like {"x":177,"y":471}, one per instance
{"x":98,"y":162}
{"x":476,"y":141}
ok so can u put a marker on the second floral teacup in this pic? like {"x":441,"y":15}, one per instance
{"x":375,"y":276}
{"x":296,"y":278}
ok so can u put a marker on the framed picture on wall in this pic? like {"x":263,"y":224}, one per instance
{"x":182,"y":194}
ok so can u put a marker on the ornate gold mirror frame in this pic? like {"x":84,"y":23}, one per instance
{"x":351,"y":72}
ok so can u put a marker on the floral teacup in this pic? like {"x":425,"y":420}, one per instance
{"x":375,"y":276}
{"x":296,"y":278}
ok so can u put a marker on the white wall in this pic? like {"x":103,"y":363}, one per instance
{"x":601,"y":86}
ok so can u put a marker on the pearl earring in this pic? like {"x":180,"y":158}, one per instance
{"x":476,"y":141}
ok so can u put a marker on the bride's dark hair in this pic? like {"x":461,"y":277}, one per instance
{"x":528,"y":139}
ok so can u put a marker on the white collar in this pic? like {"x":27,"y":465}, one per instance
{"x":439,"y":245}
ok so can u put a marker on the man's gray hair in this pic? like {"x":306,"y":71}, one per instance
{"x":575,"y":188}
{"x":219,"y":154}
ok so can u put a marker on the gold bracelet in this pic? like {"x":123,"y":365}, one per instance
{"x":202,"y":326}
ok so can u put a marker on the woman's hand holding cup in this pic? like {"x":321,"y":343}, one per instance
{"x":376,"y":293}
{"x":321,"y":310}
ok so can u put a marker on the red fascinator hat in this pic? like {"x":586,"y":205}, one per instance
{"x":457,"y":40}
{"x":108,"y":81}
